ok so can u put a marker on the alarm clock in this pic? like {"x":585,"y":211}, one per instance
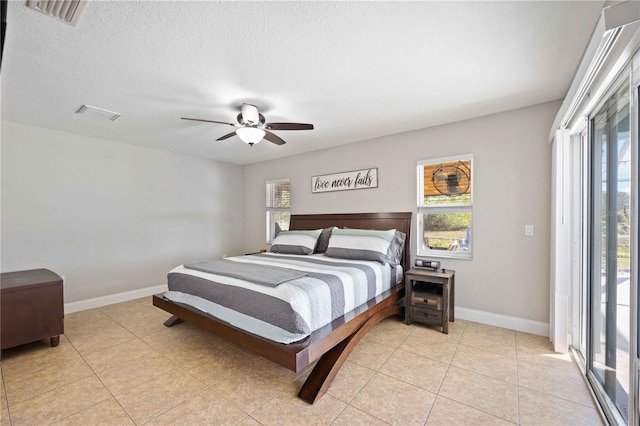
{"x":429,"y":264}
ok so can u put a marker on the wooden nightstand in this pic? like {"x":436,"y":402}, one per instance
{"x":430,"y":297}
{"x":32,"y":307}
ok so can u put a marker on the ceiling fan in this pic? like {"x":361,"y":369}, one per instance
{"x":252,"y":126}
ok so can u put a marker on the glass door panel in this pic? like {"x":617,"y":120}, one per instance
{"x":611,"y":249}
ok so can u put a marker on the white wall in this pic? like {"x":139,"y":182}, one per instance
{"x":509,"y":274}
{"x":111,"y":217}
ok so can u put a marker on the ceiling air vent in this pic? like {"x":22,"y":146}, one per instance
{"x":68,"y":11}
{"x":98,"y":113}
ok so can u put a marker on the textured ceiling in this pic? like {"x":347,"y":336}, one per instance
{"x":356,"y":70}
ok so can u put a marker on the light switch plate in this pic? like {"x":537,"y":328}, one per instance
{"x":528,"y":230}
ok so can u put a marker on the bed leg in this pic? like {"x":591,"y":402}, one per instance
{"x":173,"y":321}
{"x":329,"y":364}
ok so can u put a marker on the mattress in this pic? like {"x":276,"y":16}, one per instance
{"x":292,"y":310}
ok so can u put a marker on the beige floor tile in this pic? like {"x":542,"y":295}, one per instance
{"x":90,"y":317}
{"x":3,"y":395}
{"x":152,"y":323}
{"x":213,"y":363}
{"x":490,"y":364}
{"x":44,"y":379}
{"x":101,"y":339}
{"x":390,"y":332}
{"x":191,"y":356}
{"x":152,"y":398}
{"x":285,"y":408}
{"x":481,"y":392}
{"x":130,"y":374}
{"x":434,"y":334}
{"x":497,"y":348}
{"x":249,"y":421}
{"x":164,"y":338}
{"x":479,"y":327}
{"x":105,"y":413}
{"x":489,"y":338}
{"x":124,"y":308}
{"x":561,"y":363}
{"x":370,"y":354}
{"x":37,"y":368}
{"x":4,"y":416}
{"x":117,"y":355}
{"x":446,"y":412}
{"x":532,"y":343}
{"x":540,"y":409}
{"x":425,"y":347}
{"x":250,"y":386}
{"x":481,"y":332}
{"x":59,"y":403}
{"x":351,"y":416}
{"x":562,"y":383}
{"x":92,"y":328}
{"x":140,"y":317}
{"x":206,"y":408}
{"x":394,"y":401}
{"x":146,"y":300}
{"x":23,"y":359}
{"x":349,"y":380}
{"x":422,"y":372}
{"x":186,"y":375}
{"x":180,"y":338}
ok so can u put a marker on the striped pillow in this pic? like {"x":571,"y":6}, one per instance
{"x":360,"y":244}
{"x":295,"y":242}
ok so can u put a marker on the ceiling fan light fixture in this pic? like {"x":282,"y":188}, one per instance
{"x":250,"y":135}
{"x":250,"y":114}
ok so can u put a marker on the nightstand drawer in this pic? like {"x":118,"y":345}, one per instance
{"x":426,"y":301}
{"x":427,"y":316}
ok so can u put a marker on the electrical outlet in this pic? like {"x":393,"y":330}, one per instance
{"x":528,"y":230}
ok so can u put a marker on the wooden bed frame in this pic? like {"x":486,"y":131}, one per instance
{"x":331,"y":344}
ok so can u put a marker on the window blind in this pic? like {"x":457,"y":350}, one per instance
{"x":279,"y":194}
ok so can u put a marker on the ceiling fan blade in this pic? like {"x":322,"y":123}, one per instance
{"x":208,"y":121}
{"x":288,"y":126}
{"x":271,"y":137}
{"x":227,"y":136}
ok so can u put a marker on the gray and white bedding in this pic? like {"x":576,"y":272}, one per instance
{"x":289,"y":311}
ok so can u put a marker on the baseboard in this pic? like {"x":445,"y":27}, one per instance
{"x":504,"y":321}
{"x":96,"y":302}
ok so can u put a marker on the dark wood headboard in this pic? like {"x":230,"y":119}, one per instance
{"x":382,"y":221}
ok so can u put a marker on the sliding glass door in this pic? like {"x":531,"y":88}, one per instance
{"x":610,"y":251}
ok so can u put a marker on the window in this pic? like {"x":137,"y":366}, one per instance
{"x":445,"y":202}
{"x":278,"y":206}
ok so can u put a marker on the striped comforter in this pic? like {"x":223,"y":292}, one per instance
{"x":292,"y":310}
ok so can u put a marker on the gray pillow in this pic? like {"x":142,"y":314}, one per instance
{"x":396,"y":248}
{"x":394,"y":254}
{"x":323,"y":240}
{"x":295,"y":242}
{"x":360,"y":244}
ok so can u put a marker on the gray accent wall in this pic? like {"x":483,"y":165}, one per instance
{"x":111,"y":217}
{"x":509,"y":272}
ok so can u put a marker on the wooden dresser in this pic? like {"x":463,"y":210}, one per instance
{"x":31,"y":307}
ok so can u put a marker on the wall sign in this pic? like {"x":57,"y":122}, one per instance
{"x":357,"y":179}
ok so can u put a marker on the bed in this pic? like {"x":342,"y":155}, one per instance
{"x":330,"y":344}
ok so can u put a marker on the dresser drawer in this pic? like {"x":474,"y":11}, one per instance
{"x":426,"y":301}
{"x":427,"y":316}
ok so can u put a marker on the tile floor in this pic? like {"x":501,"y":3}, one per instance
{"x":119,"y":365}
